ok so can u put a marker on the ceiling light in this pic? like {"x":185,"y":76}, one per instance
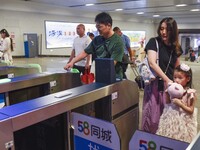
{"x":156,"y":15}
{"x":89,"y":4}
{"x":118,"y":9}
{"x":140,"y":13}
{"x":194,"y":10}
{"x":181,"y":5}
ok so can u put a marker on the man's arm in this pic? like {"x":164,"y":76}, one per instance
{"x":82,"y":55}
{"x":88,"y":59}
{"x":128,"y":46}
{"x":130,"y":54}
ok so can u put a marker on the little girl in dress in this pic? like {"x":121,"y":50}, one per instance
{"x":179,"y":118}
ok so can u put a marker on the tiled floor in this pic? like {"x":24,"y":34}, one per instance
{"x":57,"y":63}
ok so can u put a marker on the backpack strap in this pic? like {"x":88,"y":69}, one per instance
{"x":108,"y":53}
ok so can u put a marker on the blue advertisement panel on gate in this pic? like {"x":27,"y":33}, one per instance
{"x":94,"y":134}
{"x":146,"y":141}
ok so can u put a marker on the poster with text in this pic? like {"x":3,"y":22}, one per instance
{"x":62,"y":34}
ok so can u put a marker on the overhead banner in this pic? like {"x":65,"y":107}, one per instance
{"x":94,"y":134}
{"x":146,"y":141}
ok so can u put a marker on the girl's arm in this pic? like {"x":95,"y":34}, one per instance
{"x":188,"y":108}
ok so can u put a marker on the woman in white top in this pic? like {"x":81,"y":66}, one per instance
{"x":6,"y":47}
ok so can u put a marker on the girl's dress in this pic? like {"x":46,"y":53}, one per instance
{"x":176,"y":123}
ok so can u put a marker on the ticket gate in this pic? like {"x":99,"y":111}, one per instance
{"x":7,"y":72}
{"x":32,"y":86}
{"x":122,"y":109}
{"x":14,"y":71}
{"x":5,"y":137}
{"x":195,"y":144}
{"x":23,"y":88}
{"x":44,"y":123}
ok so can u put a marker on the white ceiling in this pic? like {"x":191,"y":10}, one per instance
{"x":164,"y":8}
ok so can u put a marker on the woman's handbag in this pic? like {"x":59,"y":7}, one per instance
{"x":145,"y":70}
{"x":88,"y":77}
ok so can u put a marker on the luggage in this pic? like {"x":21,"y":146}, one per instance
{"x":140,"y":82}
{"x":138,"y":77}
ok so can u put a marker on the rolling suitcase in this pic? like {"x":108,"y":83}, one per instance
{"x":138,"y":77}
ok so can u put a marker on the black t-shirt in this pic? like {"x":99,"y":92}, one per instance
{"x":164,"y":55}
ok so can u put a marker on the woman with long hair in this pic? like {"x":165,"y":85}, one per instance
{"x":6,"y":46}
{"x":169,"y":51}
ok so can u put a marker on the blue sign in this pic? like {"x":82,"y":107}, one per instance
{"x":94,"y":134}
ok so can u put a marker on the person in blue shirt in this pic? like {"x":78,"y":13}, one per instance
{"x":127,"y":50}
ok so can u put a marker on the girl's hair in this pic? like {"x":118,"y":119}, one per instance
{"x":7,"y":35}
{"x":188,"y":73}
{"x":172,"y":31}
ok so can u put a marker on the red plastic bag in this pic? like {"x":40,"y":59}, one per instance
{"x":87,"y":77}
